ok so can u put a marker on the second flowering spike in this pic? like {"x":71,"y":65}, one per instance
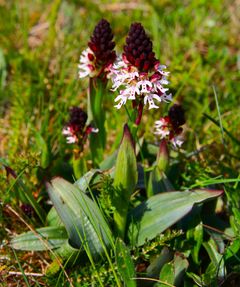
{"x":75,"y":130}
{"x":102,"y":43}
{"x":170,"y":127}
{"x":96,"y":60}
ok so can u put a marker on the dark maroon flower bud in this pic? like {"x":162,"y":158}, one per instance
{"x":138,"y":49}
{"x":10,"y":171}
{"x":75,"y":129}
{"x":97,"y":59}
{"x":78,"y":118}
{"x":27,"y":209}
{"x":102,"y":43}
{"x":176,"y":115}
{"x":169,"y":127}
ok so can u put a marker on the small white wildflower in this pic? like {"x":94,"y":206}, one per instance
{"x":87,"y":65}
{"x":70,"y":136}
{"x":149,"y":98}
{"x":145,"y":86}
{"x":162,"y":129}
{"x":122,"y":100}
{"x":177,"y":141}
{"x":160,"y":69}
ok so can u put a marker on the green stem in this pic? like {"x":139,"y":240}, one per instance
{"x":96,"y":117}
{"x":120,"y":220}
{"x":79,"y":164}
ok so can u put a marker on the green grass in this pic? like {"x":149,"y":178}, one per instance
{"x":40,"y":44}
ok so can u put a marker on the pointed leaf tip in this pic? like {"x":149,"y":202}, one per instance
{"x":216,"y":192}
{"x":161,"y":211}
{"x":163,"y":156}
{"x":127,"y":135}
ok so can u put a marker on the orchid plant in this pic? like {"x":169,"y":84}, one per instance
{"x":77,"y":223}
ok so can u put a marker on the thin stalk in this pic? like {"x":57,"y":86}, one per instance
{"x":134,"y":130}
{"x":219,"y":114}
{"x":96,"y":117}
{"x":20,"y":267}
{"x":27,"y":195}
{"x":135,"y":127}
{"x":226,"y":131}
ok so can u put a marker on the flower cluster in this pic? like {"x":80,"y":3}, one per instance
{"x":99,"y":56}
{"x":76,"y":130}
{"x":169,"y":127}
{"x":137,"y":73}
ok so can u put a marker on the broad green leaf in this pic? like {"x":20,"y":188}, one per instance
{"x":216,"y":258}
{"x":180,"y":266}
{"x":53,"y":218}
{"x":197,"y":279}
{"x":196,"y":234}
{"x":125,"y":264}
{"x":158,"y":182}
{"x":172,"y":272}
{"x":209,"y":277}
{"x":163,"y":156}
{"x":125,"y":176}
{"x":43,"y":239}
{"x":161,"y":211}
{"x":70,"y":254}
{"x":125,"y":180}
{"x":84,"y":182}
{"x":109,"y":162}
{"x":167,"y":275}
{"x":79,"y":165}
{"x":81,"y":216}
{"x":158,"y":262}
{"x":232,"y":252}
{"x":43,"y":147}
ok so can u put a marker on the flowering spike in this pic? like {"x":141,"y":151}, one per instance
{"x":138,"y":48}
{"x":176,"y":114}
{"x":101,"y":43}
{"x":169,"y":127}
{"x":99,"y":55}
{"x":75,"y":129}
{"x":138,"y":74}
